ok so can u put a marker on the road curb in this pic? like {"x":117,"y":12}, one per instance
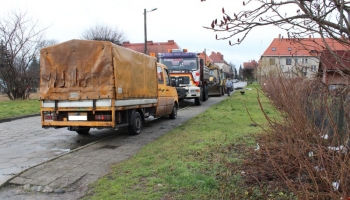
{"x":19,"y":117}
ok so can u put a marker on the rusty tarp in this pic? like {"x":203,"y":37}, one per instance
{"x":95,"y":70}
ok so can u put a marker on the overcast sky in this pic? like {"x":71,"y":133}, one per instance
{"x":179,"y":20}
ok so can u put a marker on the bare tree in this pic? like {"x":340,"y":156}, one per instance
{"x":104,"y":33}
{"x":319,"y":172}
{"x":299,"y":18}
{"x":34,"y":67}
{"x":19,"y":38}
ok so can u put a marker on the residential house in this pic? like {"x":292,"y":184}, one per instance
{"x":335,"y":70}
{"x":218,"y":59}
{"x":152,"y":47}
{"x":294,"y":57}
{"x":251,"y":65}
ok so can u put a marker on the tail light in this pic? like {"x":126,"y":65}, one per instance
{"x":50,"y":117}
{"x":103,"y":117}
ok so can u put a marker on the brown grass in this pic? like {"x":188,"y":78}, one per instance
{"x":294,"y":151}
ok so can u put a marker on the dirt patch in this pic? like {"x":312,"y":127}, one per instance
{"x":3,"y":97}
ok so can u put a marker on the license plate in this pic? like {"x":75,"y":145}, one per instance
{"x":73,"y":95}
{"x":77,"y":116}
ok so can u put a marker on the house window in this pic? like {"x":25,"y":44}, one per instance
{"x":296,"y":60}
{"x":288,"y":61}
{"x":272,"y":61}
{"x":313,"y":68}
{"x":273,"y":48}
{"x":289,"y":48}
{"x":305,"y":60}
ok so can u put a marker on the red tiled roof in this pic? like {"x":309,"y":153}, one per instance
{"x":301,"y":47}
{"x":253,"y":64}
{"x":329,"y":62}
{"x":217,"y":57}
{"x":205,"y":57}
{"x":156,"y":47}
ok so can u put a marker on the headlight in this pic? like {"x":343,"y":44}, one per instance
{"x":194,"y":91}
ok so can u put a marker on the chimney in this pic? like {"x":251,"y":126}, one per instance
{"x":279,"y":37}
{"x":309,"y":37}
{"x":171,"y":41}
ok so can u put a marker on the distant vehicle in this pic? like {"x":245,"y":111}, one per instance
{"x":216,"y":86}
{"x":235,"y":80}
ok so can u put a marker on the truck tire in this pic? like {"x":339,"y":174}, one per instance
{"x":173,"y":114}
{"x":205,"y":93}
{"x":83,"y":131}
{"x":198,"y":100}
{"x":223,"y":91}
{"x":136,"y":124}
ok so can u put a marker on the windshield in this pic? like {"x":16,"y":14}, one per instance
{"x":180,"y":64}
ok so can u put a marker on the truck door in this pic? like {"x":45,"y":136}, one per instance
{"x":162,"y":101}
{"x":170,"y":92}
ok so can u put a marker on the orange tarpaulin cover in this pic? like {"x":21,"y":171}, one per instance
{"x":95,"y":70}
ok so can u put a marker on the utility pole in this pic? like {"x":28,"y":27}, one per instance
{"x":145,"y":25}
{"x":205,"y":56}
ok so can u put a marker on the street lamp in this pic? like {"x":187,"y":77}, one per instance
{"x":144,"y":15}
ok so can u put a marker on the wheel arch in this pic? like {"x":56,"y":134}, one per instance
{"x":131,"y":113}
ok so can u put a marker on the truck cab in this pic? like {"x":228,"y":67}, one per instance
{"x":167,"y":94}
{"x":187,"y":73}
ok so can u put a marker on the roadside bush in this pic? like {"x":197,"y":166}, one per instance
{"x":308,"y":149}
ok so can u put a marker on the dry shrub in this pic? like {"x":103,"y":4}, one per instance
{"x":308,"y":150}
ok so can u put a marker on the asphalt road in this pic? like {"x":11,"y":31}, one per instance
{"x":38,"y":163}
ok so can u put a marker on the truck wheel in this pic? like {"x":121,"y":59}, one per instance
{"x":136,"y":124}
{"x":205,"y":93}
{"x":198,"y":100}
{"x":222,"y":90}
{"x":83,"y":131}
{"x":173,"y":114}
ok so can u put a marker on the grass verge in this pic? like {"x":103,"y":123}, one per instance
{"x":201,"y":159}
{"x":17,"y":108}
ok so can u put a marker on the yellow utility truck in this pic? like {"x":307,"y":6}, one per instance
{"x":96,"y":84}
